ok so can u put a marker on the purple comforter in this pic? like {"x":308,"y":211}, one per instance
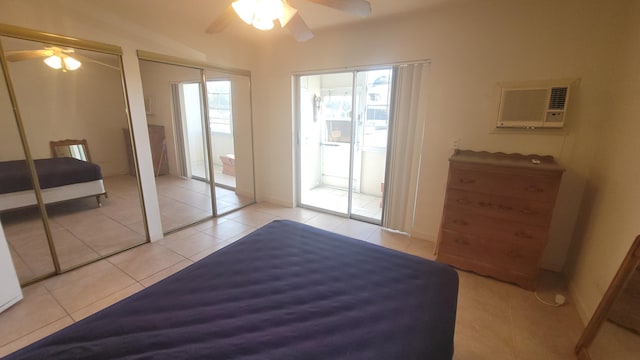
{"x":14,"y":175}
{"x":285,"y":291}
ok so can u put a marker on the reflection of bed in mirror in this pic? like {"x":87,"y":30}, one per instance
{"x":61,"y":179}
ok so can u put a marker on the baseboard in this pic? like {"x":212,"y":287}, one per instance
{"x":11,"y":302}
{"x":422,"y":236}
{"x":580,"y":307}
{"x":275,"y":201}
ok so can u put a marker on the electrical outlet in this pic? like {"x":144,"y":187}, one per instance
{"x":457,"y":143}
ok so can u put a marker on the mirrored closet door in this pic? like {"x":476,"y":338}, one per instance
{"x":204,"y":116}
{"x":23,"y":226}
{"x":176,"y":120}
{"x":74,"y":114}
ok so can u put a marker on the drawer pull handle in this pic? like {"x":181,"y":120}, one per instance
{"x":523,"y":234}
{"x":533,"y":188}
{"x":485,"y":204}
{"x":505,"y":207}
{"x":460,"y":222}
{"x":461,"y":241}
{"x":463,"y":201}
{"x":467,"y":181}
{"x":527,"y":211}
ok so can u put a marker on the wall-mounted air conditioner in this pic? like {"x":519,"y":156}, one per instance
{"x":542,"y":105}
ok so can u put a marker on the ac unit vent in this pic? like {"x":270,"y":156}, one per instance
{"x":533,"y":105}
{"x":558,"y":98}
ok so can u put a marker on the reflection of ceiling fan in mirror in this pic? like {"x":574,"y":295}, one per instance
{"x":263,"y":13}
{"x":55,"y":57}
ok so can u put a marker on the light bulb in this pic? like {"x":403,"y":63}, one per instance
{"x":54,"y":62}
{"x":245,"y":9}
{"x":262,"y":23}
{"x":71,"y":63}
{"x":269,"y":9}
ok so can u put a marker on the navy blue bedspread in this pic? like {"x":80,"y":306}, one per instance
{"x":14,"y":175}
{"x":286,"y":291}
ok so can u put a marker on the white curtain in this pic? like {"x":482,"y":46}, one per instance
{"x":406,"y":146}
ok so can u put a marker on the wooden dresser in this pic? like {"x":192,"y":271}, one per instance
{"x":497,"y":212}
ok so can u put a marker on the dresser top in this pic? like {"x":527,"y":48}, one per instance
{"x":538,"y":162}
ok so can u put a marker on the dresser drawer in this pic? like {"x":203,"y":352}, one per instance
{"x":490,"y":252}
{"x":524,"y":186}
{"x":517,"y":210}
{"x":525,"y":235}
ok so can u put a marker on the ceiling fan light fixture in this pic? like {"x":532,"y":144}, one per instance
{"x":262,"y":24}
{"x":71,"y":63}
{"x":245,"y":9}
{"x":54,"y":62}
{"x":259,"y":13}
{"x":62,"y":62}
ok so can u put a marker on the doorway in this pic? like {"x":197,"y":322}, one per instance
{"x":343,"y":133}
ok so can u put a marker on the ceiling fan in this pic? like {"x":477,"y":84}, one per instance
{"x":55,"y":57}
{"x":263,"y":13}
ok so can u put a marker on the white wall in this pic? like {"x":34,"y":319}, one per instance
{"x":10,"y":144}
{"x":473,"y":45}
{"x":609,"y":218}
{"x":84,"y":104}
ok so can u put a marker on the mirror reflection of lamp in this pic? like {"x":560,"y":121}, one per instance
{"x":62,"y":62}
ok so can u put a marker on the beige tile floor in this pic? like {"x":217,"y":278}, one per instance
{"x":84,"y":232}
{"x":185,"y":201}
{"x":495,"y":320}
{"x":336,"y":200}
{"x":81,"y":230}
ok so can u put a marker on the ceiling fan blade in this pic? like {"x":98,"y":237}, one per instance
{"x":221,"y":22}
{"x":360,"y":8}
{"x":288,"y":12}
{"x":298,"y":28}
{"x":20,"y":55}
{"x":86,"y":59}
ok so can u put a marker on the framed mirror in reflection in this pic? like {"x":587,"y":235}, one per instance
{"x":613,"y":333}
{"x":77,"y":149}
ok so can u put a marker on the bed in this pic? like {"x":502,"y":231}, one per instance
{"x":285,"y":291}
{"x":60,"y":179}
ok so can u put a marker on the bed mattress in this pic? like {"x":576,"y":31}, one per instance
{"x":14,"y":175}
{"x":285,"y":291}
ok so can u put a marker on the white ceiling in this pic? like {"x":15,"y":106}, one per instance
{"x":193,"y":16}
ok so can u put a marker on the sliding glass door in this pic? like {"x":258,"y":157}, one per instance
{"x":343,"y":130}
